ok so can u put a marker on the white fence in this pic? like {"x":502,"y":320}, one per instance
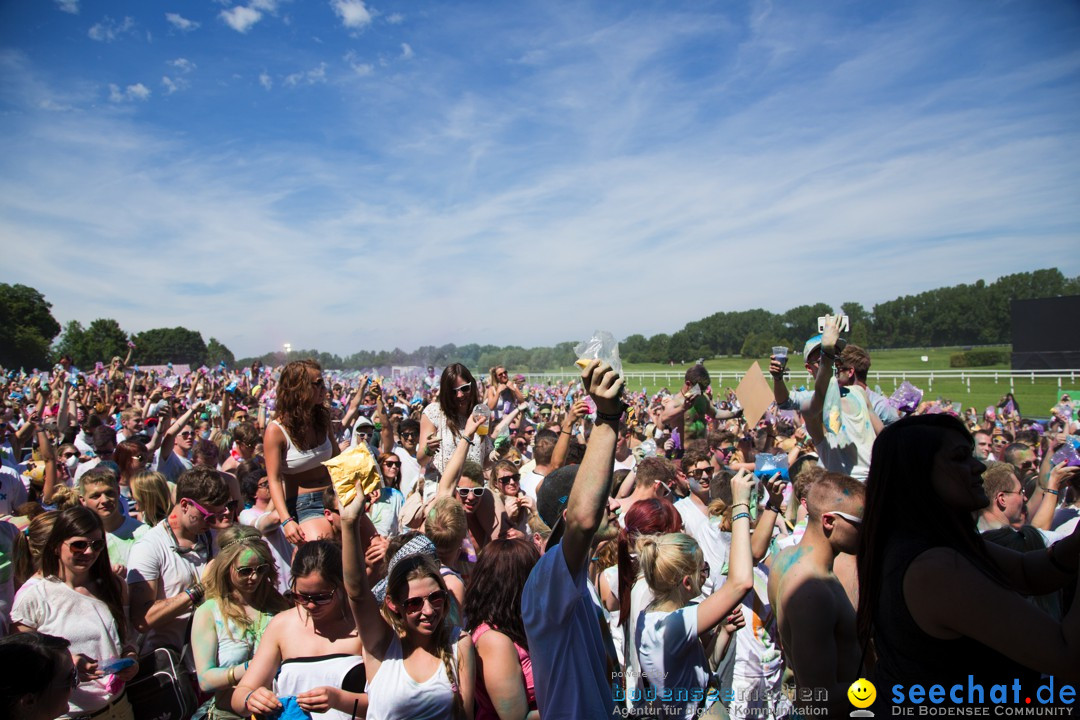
{"x":661,"y":378}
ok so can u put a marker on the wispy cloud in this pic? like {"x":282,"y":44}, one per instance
{"x":308,"y":77}
{"x":109,"y":30}
{"x":68,"y":6}
{"x":353,"y":13}
{"x":241,"y":18}
{"x":181,"y":23}
{"x":577,"y":151}
{"x":173,"y":85}
{"x":138,"y":91}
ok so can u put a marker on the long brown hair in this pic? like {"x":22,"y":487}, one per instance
{"x":297,"y":408}
{"x":233,"y":541}
{"x":82,"y":522}
{"x":452,"y":375}
{"x":416,"y":567}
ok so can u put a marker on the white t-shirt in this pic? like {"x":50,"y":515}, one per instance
{"x":154,"y":558}
{"x":849,"y":460}
{"x":410,"y":470}
{"x":52,"y":607}
{"x":673,"y":660}
{"x":625,"y":636}
{"x":384,"y":512}
{"x":172,"y":466}
{"x":280,"y":547}
{"x":715,"y":545}
{"x":120,"y":540}
{"x":12,"y":490}
{"x":529,"y":483}
{"x":567,"y":649}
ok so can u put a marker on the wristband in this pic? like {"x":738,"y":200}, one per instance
{"x":566,"y":432}
{"x":831,"y":356}
{"x":1052,"y":492}
{"x":231,"y":676}
{"x":604,"y":417}
{"x":287,"y":520}
{"x":740,"y":516}
{"x":735,"y":505}
{"x":773,"y":508}
{"x":248,"y":698}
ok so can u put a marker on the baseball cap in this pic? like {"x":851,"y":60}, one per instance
{"x":811,"y":345}
{"x":551,"y":500}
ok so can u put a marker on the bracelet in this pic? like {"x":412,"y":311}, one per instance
{"x":231,"y":676}
{"x":288,"y":520}
{"x":735,"y":505}
{"x":194,"y":595}
{"x":1052,"y":492}
{"x":248,"y":698}
{"x":1057,"y":563}
{"x":566,"y":432}
{"x":740,"y":516}
{"x":604,"y":417}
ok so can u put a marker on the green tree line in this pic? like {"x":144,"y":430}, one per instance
{"x":965,"y":314}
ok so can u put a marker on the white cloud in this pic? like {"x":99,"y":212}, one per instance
{"x":265,"y":81}
{"x":68,"y":6}
{"x":309,"y":77}
{"x":182,"y":64}
{"x":174,"y":84}
{"x":108,"y":29}
{"x":269,"y":6}
{"x":406,"y":51}
{"x":360,"y":68}
{"x":395,"y":19}
{"x":241,"y":18}
{"x":180,"y":22}
{"x":138,"y":91}
{"x":353,"y":13}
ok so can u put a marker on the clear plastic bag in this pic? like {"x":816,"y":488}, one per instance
{"x":1066,"y":454}
{"x":765,"y":465}
{"x":601,"y":346}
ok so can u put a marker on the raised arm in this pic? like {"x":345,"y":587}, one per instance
{"x":1059,"y":475}
{"x":452,"y":472}
{"x":588,"y":498}
{"x":740,"y":577}
{"x":562,"y":447}
{"x":763,"y":531}
{"x":814,"y":423}
{"x":374,"y":632}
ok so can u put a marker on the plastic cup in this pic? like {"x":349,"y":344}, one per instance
{"x":780,"y":352}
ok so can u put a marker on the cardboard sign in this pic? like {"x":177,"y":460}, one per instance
{"x":755,"y":395}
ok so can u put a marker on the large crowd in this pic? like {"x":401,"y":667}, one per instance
{"x":173,"y":544}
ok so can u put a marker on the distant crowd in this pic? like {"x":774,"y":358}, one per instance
{"x":179,"y":543}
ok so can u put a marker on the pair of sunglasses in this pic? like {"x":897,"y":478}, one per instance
{"x":315,"y":599}
{"x":82,"y":546}
{"x":477,"y":492}
{"x":246,"y":571}
{"x":415,"y":604}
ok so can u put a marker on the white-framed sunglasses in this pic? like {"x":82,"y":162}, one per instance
{"x":853,"y":519}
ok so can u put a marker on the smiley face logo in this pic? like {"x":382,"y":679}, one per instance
{"x":862,"y":693}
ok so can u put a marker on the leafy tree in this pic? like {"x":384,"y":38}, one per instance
{"x":27,"y":327}
{"x":162,"y":345}
{"x":218,"y":353}
{"x":72,"y":342}
{"x":102,"y":341}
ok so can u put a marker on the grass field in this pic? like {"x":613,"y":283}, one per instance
{"x":1035,"y":398}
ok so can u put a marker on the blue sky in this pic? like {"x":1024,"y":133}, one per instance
{"x":362,"y":175}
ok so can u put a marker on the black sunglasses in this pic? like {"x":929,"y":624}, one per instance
{"x":509,"y":478}
{"x":81,"y":546}
{"x":316,"y":599}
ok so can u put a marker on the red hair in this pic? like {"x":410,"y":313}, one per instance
{"x":655,"y":516}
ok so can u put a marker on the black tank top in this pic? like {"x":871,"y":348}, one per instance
{"x":907,"y":656}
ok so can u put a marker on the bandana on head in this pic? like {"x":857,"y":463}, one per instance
{"x":419,"y":545}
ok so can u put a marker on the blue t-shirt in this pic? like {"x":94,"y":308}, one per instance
{"x":565,"y":644}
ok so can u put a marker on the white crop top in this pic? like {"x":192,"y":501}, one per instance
{"x":297,"y":460}
{"x":392,"y":693}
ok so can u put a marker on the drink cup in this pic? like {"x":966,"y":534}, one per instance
{"x":780,"y":353}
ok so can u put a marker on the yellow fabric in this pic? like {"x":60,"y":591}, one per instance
{"x":353,"y":468}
